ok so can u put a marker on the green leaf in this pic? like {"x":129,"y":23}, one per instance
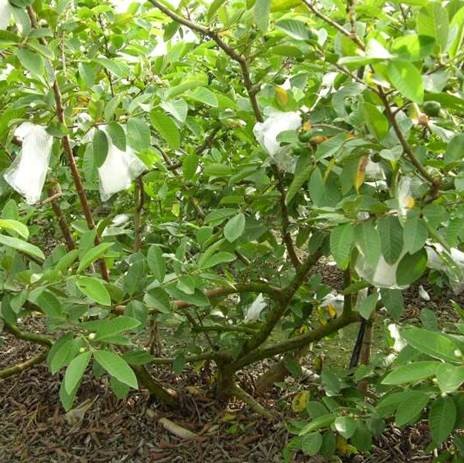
{"x":221,"y":257}
{"x":411,"y":267}
{"x":442,"y":418}
{"x":156,"y":262}
{"x":177,"y":108}
{"x":62,"y":352}
{"x":88,"y":73}
{"x":261,"y":12}
{"x":118,"y":68}
{"x":189,"y":166}
{"x":94,"y":289}
{"x":405,"y":77}
{"x":119,"y":389}
{"x":411,"y":407}
{"x":15,"y":226}
{"x":92,"y":255}
{"x":302,"y":174}
{"x":234,"y":227}
{"x":376,"y":122}
{"x":295,"y":29}
{"x":414,"y":234}
{"x":66,"y":399}
{"x":22,"y":246}
{"x":100,"y":147}
{"x":213,"y":7}
{"x":346,"y":426}
{"x":75,"y":371}
{"x":205,"y":96}
{"x":105,"y":329}
{"x":368,"y":242}
{"x":117,"y":135}
{"x":432,"y":343}
{"x":449,"y":377}
{"x":411,"y":372}
{"x":432,"y":21}
{"x":320,"y":422}
{"x":391,"y":237}
{"x":455,"y":149}
{"x":367,"y":305}
{"x":166,"y":127}
{"x":138,"y":134}
{"x":456,"y":33}
{"x":50,"y":304}
{"x":393,"y":302}
{"x":32,"y":61}
{"x":67,"y":260}
{"x":116,"y":366}
{"x":341,"y":244}
{"x":311,"y":443}
{"x":140,"y":357}
{"x":21,"y":3}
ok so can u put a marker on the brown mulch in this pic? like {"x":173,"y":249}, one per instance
{"x":35,"y":428}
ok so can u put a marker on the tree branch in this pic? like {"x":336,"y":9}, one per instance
{"x":298,"y":341}
{"x":435,"y":183}
{"x":230,"y":51}
{"x":286,"y":236}
{"x":28,"y":336}
{"x":66,"y":143}
{"x":22,"y":366}
{"x":352,"y":35}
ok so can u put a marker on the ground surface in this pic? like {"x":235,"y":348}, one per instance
{"x":34,"y":427}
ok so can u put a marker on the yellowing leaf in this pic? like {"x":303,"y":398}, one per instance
{"x":281,"y":96}
{"x":331,"y":310}
{"x":307,"y":126}
{"x":410,"y":202}
{"x":300,"y":401}
{"x":360,"y":172}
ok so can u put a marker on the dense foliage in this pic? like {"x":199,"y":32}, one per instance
{"x":200,"y":160}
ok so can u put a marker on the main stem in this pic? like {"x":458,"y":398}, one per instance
{"x":66,"y":143}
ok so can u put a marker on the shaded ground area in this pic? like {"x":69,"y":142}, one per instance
{"x":34,"y":427}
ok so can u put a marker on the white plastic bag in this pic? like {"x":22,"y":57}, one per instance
{"x":255,"y":309}
{"x":118,"y":170}
{"x":380,"y":275}
{"x":6,"y":10}
{"x":404,"y":196}
{"x":266,"y":132}
{"x":27,"y":173}
{"x":451,"y":263}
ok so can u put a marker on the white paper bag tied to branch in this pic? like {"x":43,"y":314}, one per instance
{"x":6,"y":10}
{"x":118,"y":170}
{"x":27,"y":173}
{"x":267,"y":132}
